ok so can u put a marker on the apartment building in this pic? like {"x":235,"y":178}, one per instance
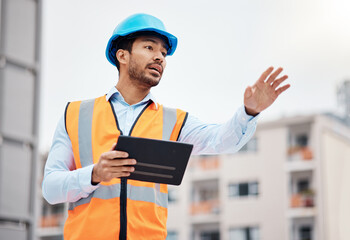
{"x":289,"y":182}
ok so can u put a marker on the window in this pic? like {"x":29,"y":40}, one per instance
{"x":302,"y":140}
{"x":305,"y":233}
{"x":303,"y":185}
{"x":250,"y":146}
{"x":172,"y":235}
{"x":243,"y":189}
{"x":246,"y":233}
{"x":253,"y":189}
{"x":215,"y":235}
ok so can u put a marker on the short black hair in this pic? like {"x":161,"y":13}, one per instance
{"x":126,"y":42}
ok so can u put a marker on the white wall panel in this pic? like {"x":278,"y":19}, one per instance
{"x":18,"y":101}
{"x":20,"y":30}
{"x":15,"y":173}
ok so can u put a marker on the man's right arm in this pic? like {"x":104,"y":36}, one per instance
{"x":62,"y":181}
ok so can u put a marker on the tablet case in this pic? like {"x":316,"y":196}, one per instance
{"x":158,"y":161}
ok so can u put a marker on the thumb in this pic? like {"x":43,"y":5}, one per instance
{"x":248,"y":92}
{"x":113,"y":146}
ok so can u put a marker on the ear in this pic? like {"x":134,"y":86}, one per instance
{"x":122,"y":56}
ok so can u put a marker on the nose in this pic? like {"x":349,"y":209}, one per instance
{"x":159,"y":57}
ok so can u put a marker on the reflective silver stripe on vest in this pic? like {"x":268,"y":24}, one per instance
{"x":169,"y":121}
{"x":147,"y":194}
{"x":102,"y":192}
{"x":84,"y":132}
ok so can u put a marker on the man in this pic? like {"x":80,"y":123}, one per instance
{"x":84,"y":170}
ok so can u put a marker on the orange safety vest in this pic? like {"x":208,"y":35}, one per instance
{"x":121,"y":208}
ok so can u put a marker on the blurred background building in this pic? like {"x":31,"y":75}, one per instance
{"x":19,"y":114}
{"x":289,"y":182}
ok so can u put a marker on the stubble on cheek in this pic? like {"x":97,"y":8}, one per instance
{"x":138,"y":74}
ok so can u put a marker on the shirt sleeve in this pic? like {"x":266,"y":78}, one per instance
{"x":62,"y":181}
{"x":223,"y":138}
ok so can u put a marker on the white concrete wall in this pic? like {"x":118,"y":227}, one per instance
{"x":267,"y":167}
{"x":179,"y":212}
{"x":336,"y":172}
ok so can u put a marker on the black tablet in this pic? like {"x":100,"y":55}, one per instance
{"x":158,"y":161}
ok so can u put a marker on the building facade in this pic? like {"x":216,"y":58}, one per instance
{"x":289,"y":182}
{"x":19,"y":106}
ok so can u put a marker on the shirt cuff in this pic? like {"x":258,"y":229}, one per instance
{"x":246,"y":119}
{"x":85,"y":179}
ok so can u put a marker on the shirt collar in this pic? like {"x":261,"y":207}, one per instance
{"x":115,"y":93}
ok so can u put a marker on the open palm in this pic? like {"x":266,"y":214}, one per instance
{"x":264,"y":92}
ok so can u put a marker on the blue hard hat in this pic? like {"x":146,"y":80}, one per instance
{"x":139,"y":22}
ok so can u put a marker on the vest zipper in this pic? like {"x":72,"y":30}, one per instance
{"x":123,"y":217}
{"x":123,"y":182}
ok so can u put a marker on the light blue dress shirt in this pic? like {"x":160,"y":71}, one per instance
{"x":64,"y":183}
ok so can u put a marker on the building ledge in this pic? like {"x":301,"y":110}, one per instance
{"x":49,"y":231}
{"x":299,"y":165}
{"x":205,"y":218}
{"x":301,"y":212}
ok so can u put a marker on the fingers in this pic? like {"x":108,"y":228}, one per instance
{"x":274,"y":75}
{"x":278,"y":81}
{"x":114,"y":154}
{"x":107,"y":168}
{"x":122,"y":169}
{"x":265,"y":74}
{"x":282,"y":89}
{"x":122,"y":162}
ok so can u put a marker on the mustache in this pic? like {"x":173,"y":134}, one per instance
{"x":155,"y":63}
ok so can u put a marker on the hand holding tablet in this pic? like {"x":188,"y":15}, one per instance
{"x":158,"y":161}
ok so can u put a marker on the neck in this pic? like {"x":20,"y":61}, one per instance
{"x":131,"y":92}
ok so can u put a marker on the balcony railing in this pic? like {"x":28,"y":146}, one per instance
{"x":205,"y":207}
{"x":302,"y":200}
{"x":206,"y":163}
{"x":298,"y":152}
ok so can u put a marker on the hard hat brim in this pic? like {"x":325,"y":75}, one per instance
{"x":111,"y":53}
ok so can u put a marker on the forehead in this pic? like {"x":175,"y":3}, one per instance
{"x":152,"y":39}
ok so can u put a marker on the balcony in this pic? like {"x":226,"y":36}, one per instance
{"x":302,"y":200}
{"x":205,"y":167}
{"x":300,"y":159}
{"x":302,"y":204}
{"x":205,"y":211}
{"x":300,"y":153}
{"x":205,"y":207}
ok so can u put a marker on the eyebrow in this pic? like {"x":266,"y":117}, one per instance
{"x":152,"y":40}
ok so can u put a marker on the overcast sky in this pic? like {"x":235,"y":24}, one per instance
{"x":223,"y":47}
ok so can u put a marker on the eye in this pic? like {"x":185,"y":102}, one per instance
{"x":164,"y":54}
{"x":149,"y":47}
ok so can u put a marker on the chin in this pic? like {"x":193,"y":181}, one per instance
{"x":150,"y":82}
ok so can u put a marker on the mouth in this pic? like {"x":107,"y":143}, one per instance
{"x":156,"y":67}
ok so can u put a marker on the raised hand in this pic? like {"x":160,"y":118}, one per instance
{"x":264,"y":92}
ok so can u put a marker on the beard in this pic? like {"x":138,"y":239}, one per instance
{"x":139,"y":75}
